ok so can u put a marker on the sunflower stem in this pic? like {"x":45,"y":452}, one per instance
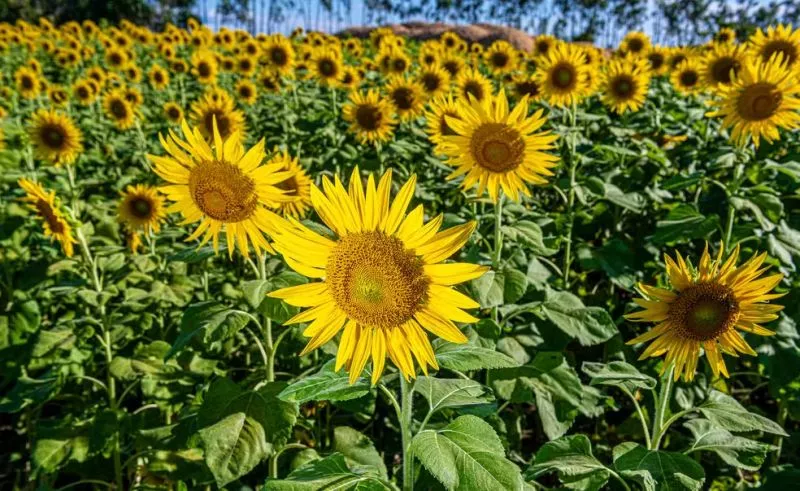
{"x":640,"y":413}
{"x":406,"y":414}
{"x":737,"y":175}
{"x":571,"y":195}
{"x":497,"y":252}
{"x":266,"y":322}
{"x":662,"y":406}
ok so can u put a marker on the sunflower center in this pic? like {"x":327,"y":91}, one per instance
{"x":140,"y":207}
{"x":528,"y":87}
{"x":49,"y":215}
{"x":53,"y":137}
{"x":204,"y":69}
{"x":452,"y":67}
{"x":563,"y":76}
{"x":27,"y":82}
{"x":368,"y":117}
{"x":497,"y":147}
{"x":635,"y":45}
{"x":499,"y":59}
{"x":399,"y":65}
{"x":704,"y":311}
{"x":656,"y":60}
{"x":759,"y":102}
{"x":403,"y":98}
{"x":784,"y":47}
{"x":289,"y":185}
{"x":375,"y":280}
{"x":173,"y":113}
{"x":278,"y":56}
{"x":431,"y":81}
{"x":445,"y":128}
{"x":327,"y":68}
{"x":474,"y":88}
{"x":622,"y":86}
{"x":721,"y":69}
{"x":223,"y":123}
{"x":222,"y":191}
{"x":689,"y":78}
{"x":118,"y":109}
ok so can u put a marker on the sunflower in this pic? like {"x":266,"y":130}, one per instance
{"x":525,"y":85}
{"x":55,"y":137}
{"x":453,"y":63}
{"x":173,"y":112}
{"x":326,"y":65}
{"x":440,"y":109}
{"x":246,"y":91}
{"x":279,"y":54}
{"x":781,"y":39}
{"x":496,"y":149}
{"x":217,"y":108}
{"x":434,"y":79}
{"x":501,"y":57}
{"x":686,"y":78}
{"x":134,"y":96}
{"x":58,"y":95}
{"x":222,"y":187}
{"x":395,"y":61}
{"x":370,"y":116}
{"x":351,"y":79}
{"x":45,"y":204}
{"x":471,"y":84}
{"x":84,"y":91}
{"x":449,"y":40}
{"x":625,"y":84}
{"x":657,"y":58}
{"x":675,"y":56}
{"x":430,"y":53}
{"x":705,"y":308}
{"x":383,"y":281}
{"x":406,"y":96}
{"x":28,"y":83}
{"x":353,"y":47}
{"x":119,"y":110}
{"x":763,"y":97}
{"x":269,"y":81}
{"x":726,"y":35}
{"x":142,"y":210}
{"x":543,"y":43}
{"x":158,"y":77}
{"x":245,"y":65}
{"x":133,"y":73}
{"x":635,"y":43}
{"x":117,"y":58}
{"x":204,"y":67}
{"x":721,"y":64}
{"x":296,"y":187}
{"x":562,"y":75}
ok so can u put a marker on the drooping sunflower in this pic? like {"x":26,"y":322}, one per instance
{"x":28,"y":83}
{"x":371,"y":117}
{"x":220,"y":185}
{"x":687,"y":78}
{"x":434,"y":79}
{"x":471,"y":84}
{"x":119,"y":110}
{"x":406,"y":96}
{"x":158,"y":77}
{"x":625,"y":83}
{"x":762,"y":98}
{"x":142,"y":210}
{"x":562,"y":75}
{"x":496,"y":149}
{"x":55,"y":137}
{"x":217,"y":107}
{"x":246,"y":91}
{"x":721,"y":63}
{"x":326,"y":65}
{"x":46,"y":206}
{"x":635,"y":43}
{"x":501,"y":57}
{"x":384,"y":282}
{"x":778,"y":39}
{"x":173,"y":112}
{"x":705,"y":308}
{"x":296,"y":187}
{"x":439,"y":110}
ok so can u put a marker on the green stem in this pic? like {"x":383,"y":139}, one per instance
{"x":639,"y":411}
{"x":662,"y":405}
{"x":571,"y":196}
{"x":783,"y":413}
{"x":663,"y":430}
{"x":620,"y":479}
{"x":269,"y":345}
{"x":737,"y":175}
{"x":497,"y":253}
{"x":406,"y":410}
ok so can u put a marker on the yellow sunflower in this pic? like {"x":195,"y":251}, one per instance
{"x":453,"y":63}
{"x":496,"y":149}
{"x":449,"y":40}
{"x":204,"y":66}
{"x":173,"y":112}
{"x":625,"y":84}
{"x":439,"y":110}
{"x":430,"y":53}
{"x":371,"y":117}
{"x":525,"y":85}
{"x":58,"y":95}
{"x":296,"y":187}
{"x":562,"y":75}
{"x":686,"y":78}
{"x":351,"y":79}
{"x":778,"y":39}
{"x":726,"y":35}
{"x":326,"y":65}
{"x":384,"y":283}
{"x":635,"y":43}
{"x":501,"y":57}
{"x":217,"y":107}
{"x":142,"y":210}
{"x":45,"y":204}
{"x":119,"y":110}
{"x":721,"y":64}
{"x":269,"y":81}
{"x":763,"y":97}
{"x":675,"y":56}
{"x":28,"y":82}
{"x":406,"y":96}
{"x":245,"y":65}
{"x":55,"y":137}
{"x":221,"y":186}
{"x":117,"y":58}
{"x":657,"y":58}
{"x":246,"y":91}
{"x":471,"y":84}
{"x":704,"y":308}
{"x":158,"y":77}
{"x":279,"y":54}
{"x":542,"y":44}
{"x":434,"y":79}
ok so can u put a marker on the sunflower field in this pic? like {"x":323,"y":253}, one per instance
{"x":310,"y":262}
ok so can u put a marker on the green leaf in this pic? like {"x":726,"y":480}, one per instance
{"x":571,"y":457}
{"x":489,"y":289}
{"x":669,"y":470}
{"x":325,"y":385}
{"x":528,"y":234}
{"x":442,"y":393}
{"x":618,"y":374}
{"x":330,"y":473}
{"x":210,"y":323}
{"x":634,"y":202}
{"x":784,"y":243}
{"x":589,"y":325}
{"x":55,"y":339}
{"x":514,"y":285}
{"x":466,"y":454}
{"x":468,"y":356}
{"x":255,"y":291}
{"x":357,"y":449}
{"x":734,"y":450}
{"x":48,"y":454}
{"x":683,"y":223}
{"x":239,"y":428}
{"x":726,"y":412}
{"x":275,"y":308}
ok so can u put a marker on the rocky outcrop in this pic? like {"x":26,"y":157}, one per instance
{"x":481,"y":33}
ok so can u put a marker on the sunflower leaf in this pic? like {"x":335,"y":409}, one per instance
{"x":726,"y":412}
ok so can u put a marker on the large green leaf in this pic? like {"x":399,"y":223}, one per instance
{"x":208,"y":323}
{"x":589,"y":325}
{"x":619,"y":374}
{"x":442,"y":393}
{"x":655,"y":469}
{"x":734,"y":450}
{"x":571,"y":457}
{"x":726,"y":412}
{"x":684,"y":222}
{"x":469,"y":356}
{"x":528,"y":234}
{"x":357,"y":449}
{"x":325,"y":385}
{"x":466,"y":454}
{"x":331,"y":473}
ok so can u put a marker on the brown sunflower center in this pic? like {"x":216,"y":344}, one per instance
{"x":527,"y":87}
{"x":542,"y":47}
{"x":204,"y":69}
{"x":158,"y":77}
{"x":689,"y":78}
{"x":222,"y":191}
{"x":403,"y":98}
{"x":278,"y":56}
{"x":27,"y":82}
{"x":497,"y":147}
{"x":635,"y":45}
{"x":759,"y":101}
{"x":223,"y":122}
{"x":118,"y":109}
{"x":49,"y":215}
{"x":677,"y":60}
{"x":53,"y":136}
{"x":723,"y":69}
{"x":786,"y":48}
{"x":623,"y":86}
{"x":563,"y":76}
{"x":431,"y":81}
{"x":327,"y":68}
{"x":399,"y":65}
{"x":375,"y":280}
{"x":656,"y":60}
{"x":452,"y":67}
{"x":245,"y":91}
{"x":499,"y":59}
{"x":474,"y":88}
{"x":173,"y":113}
{"x":140,"y":207}
{"x":704,"y":311}
{"x":445,"y":128}
{"x":368,"y":117}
